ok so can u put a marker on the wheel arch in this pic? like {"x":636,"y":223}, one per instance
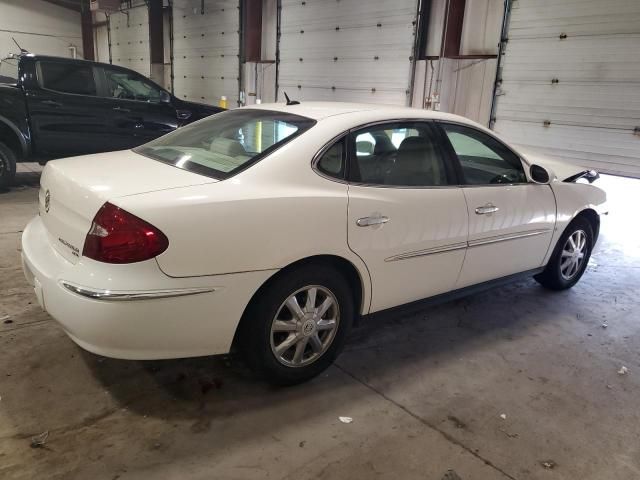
{"x":10,"y":135}
{"x":356,"y":279}
{"x":591,"y":216}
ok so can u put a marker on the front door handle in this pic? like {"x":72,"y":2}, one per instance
{"x":51,"y":103}
{"x":373,"y":220}
{"x":485,"y":209}
{"x":120,"y":109}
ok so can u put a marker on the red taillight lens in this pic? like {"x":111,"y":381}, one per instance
{"x":116,"y":236}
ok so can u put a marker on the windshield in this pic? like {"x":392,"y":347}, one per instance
{"x":225,"y":143}
{"x":9,"y":70}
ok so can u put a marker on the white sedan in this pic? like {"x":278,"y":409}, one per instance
{"x":271,"y":228}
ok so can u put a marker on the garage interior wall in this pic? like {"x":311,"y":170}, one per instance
{"x":571,"y":82}
{"x":462,"y":83}
{"x":129,"y":31}
{"x":347,"y":50}
{"x":206,"y":49}
{"x":39,"y":27}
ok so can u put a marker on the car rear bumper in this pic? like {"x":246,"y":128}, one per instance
{"x":135,"y":311}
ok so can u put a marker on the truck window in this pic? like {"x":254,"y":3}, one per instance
{"x":9,"y":70}
{"x":130,"y":86}
{"x":73,"y":78}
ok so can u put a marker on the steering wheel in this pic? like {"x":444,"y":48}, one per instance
{"x":505,"y":178}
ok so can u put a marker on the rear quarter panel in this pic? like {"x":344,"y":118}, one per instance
{"x":275,"y":213}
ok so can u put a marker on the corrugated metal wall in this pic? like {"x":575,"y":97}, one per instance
{"x":206,"y":48}
{"x":571,"y":82}
{"x":129,"y":32}
{"x":347,"y":50}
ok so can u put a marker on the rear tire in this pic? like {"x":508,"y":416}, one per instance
{"x":287,"y":345}
{"x":570,"y":257}
{"x":7,"y":166}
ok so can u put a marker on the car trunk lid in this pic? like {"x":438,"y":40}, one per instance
{"x":73,"y":190}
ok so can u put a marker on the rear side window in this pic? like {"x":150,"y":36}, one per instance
{"x":332,"y":161}
{"x":73,"y":78}
{"x":398,"y":154}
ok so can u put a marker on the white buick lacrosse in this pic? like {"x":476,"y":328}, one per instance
{"x":271,"y":228}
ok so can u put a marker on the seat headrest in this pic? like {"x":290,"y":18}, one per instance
{"x":227,"y":146}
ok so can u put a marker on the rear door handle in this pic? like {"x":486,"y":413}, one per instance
{"x":373,"y":220}
{"x":485,"y":209}
{"x":120,"y":109}
{"x":51,"y":103}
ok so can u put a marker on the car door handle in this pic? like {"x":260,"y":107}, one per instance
{"x":51,"y":103}
{"x":374,"y":220}
{"x":120,"y":109}
{"x":488,"y":208}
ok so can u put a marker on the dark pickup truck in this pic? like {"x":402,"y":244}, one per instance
{"x":53,"y":107}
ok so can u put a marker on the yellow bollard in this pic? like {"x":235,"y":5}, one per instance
{"x":223,"y":102}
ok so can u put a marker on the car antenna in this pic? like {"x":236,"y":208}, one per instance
{"x":22,"y":50}
{"x":289,"y":101}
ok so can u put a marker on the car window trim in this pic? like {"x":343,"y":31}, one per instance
{"x":105,"y":90}
{"x":451,"y":173}
{"x":462,"y":182}
{"x":40,"y":79}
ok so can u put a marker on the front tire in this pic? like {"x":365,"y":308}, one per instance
{"x":7,"y":166}
{"x":570,"y":257}
{"x":296,"y":327}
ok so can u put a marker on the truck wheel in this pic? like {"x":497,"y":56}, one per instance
{"x":7,"y":166}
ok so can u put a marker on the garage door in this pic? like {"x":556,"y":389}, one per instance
{"x":129,"y":30}
{"x":347,"y":50}
{"x":571,"y":82}
{"x":206,"y":47}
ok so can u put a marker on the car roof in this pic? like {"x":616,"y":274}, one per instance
{"x":322,"y":110}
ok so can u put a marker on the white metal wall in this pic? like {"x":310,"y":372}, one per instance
{"x":129,"y":32}
{"x":571,"y":82}
{"x":206,"y":48}
{"x":347,"y":50}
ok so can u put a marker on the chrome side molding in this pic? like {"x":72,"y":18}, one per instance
{"x":469,"y":244}
{"x":120,"y":295}
{"x":428,"y":251}
{"x":509,"y":236}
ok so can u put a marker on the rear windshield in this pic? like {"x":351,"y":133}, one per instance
{"x":223,"y":144}
{"x":9,"y":70}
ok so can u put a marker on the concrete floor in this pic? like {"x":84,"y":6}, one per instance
{"x":427,"y":392}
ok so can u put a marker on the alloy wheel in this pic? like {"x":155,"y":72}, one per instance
{"x":304,"y":326}
{"x":573,"y":254}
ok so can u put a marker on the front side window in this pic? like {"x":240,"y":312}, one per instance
{"x":76,"y":78}
{"x":398,"y":154}
{"x":484,"y":160}
{"x":130,"y":86}
{"x":227,"y":142}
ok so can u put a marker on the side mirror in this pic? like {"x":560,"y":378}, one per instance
{"x":165,"y":97}
{"x":539,"y":174}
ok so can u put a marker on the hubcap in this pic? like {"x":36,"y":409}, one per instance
{"x":573,"y":254}
{"x":305,"y":326}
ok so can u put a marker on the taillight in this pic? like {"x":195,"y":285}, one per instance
{"x":116,"y":236}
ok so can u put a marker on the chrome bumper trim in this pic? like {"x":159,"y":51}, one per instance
{"x":118,"y":295}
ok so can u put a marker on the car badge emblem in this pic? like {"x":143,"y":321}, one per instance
{"x":47,"y":201}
